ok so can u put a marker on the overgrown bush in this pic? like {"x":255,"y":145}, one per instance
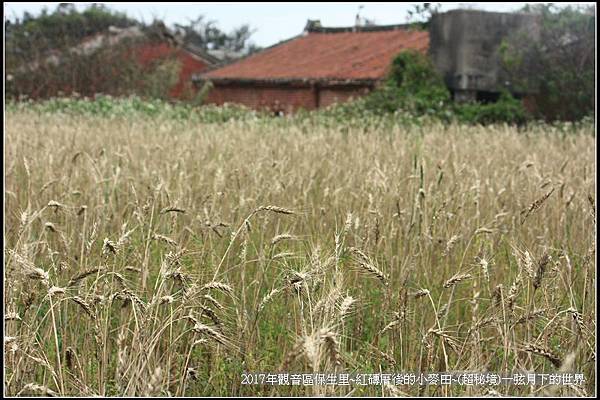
{"x":49,"y":55}
{"x":414,"y":91}
{"x":507,"y":109}
{"x":559,"y":67}
{"x":108,"y":70}
{"x":42,"y":58}
{"x":29,"y":37}
{"x":412,"y":87}
{"x":161,"y":78}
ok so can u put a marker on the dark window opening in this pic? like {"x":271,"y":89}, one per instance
{"x":487,"y":97}
{"x":482,"y":97}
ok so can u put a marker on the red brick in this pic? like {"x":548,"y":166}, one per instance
{"x":344,"y":55}
{"x":313,"y":70}
{"x":190,"y":64}
{"x":283,"y":98}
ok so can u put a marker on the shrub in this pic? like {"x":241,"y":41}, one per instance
{"x":506,"y":110}
{"x":136,"y":107}
{"x":412,"y":86}
{"x":414,"y":91}
{"x":161,"y":78}
{"x":560,"y":67}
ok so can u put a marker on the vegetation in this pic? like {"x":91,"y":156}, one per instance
{"x":507,"y":109}
{"x":151,"y":255}
{"x":44,"y":57}
{"x":560,"y":67}
{"x":414,"y":91}
{"x":419,"y":15}
{"x":109,"y":70}
{"x":206,"y":35}
{"x":134,"y":107}
{"x":30,"y":37}
{"x":66,"y":26}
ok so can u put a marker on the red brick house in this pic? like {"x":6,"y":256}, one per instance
{"x":145,"y":47}
{"x":160,"y":44}
{"x":315,"y":69}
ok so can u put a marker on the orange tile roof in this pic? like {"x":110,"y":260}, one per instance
{"x":326,"y":55}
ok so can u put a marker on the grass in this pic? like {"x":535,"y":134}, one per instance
{"x":159,"y":256}
{"x":134,"y":107}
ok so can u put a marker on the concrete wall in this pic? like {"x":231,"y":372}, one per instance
{"x":464,"y":46}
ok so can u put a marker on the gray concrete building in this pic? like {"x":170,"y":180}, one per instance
{"x":464,"y":47}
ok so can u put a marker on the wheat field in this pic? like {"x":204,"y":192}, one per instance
{"x":149,"y":257}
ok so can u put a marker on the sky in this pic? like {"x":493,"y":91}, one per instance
{"x":272,"y":22}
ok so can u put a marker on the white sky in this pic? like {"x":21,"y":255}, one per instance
{"x":272,"y":22}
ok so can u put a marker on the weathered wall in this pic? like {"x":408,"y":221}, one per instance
{"x":282,"y":97}
{"x":464,"y":46}
{"x":189,"y":64}
{"x":329,"y":96}
{"x":286,"y":99}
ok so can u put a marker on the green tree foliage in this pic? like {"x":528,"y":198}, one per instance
{"x":560,"y":67}
{"x":206,"y":35}
{"x":41,"y":61}
{"x":43,"y":57}
{"x":64,"y":27}
{"x":414,"y":91}
{"x":108,"y":70}
{"x":419,"y":15}
{"x":506,"y":110}
{"x":160,"y":79}
{"x":412,"y":86}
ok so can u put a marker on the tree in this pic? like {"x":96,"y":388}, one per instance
{"x":41,"y":62}
{"x":412,"y":86}
{"x":420,"y":14}
{"x":559,"y":68}
{"x":62,"y":27}
{"x":206,"y":35}
{"x":55,"y":51}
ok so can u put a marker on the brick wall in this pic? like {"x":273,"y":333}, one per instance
{"x":282,"y":98}
{"x":189,"y":64}
{"x":530,"y":104}
{"x":286,"y":99}
{"x":328,"y":96}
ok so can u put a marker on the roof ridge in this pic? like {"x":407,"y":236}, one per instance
{"x":357,"y":29}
